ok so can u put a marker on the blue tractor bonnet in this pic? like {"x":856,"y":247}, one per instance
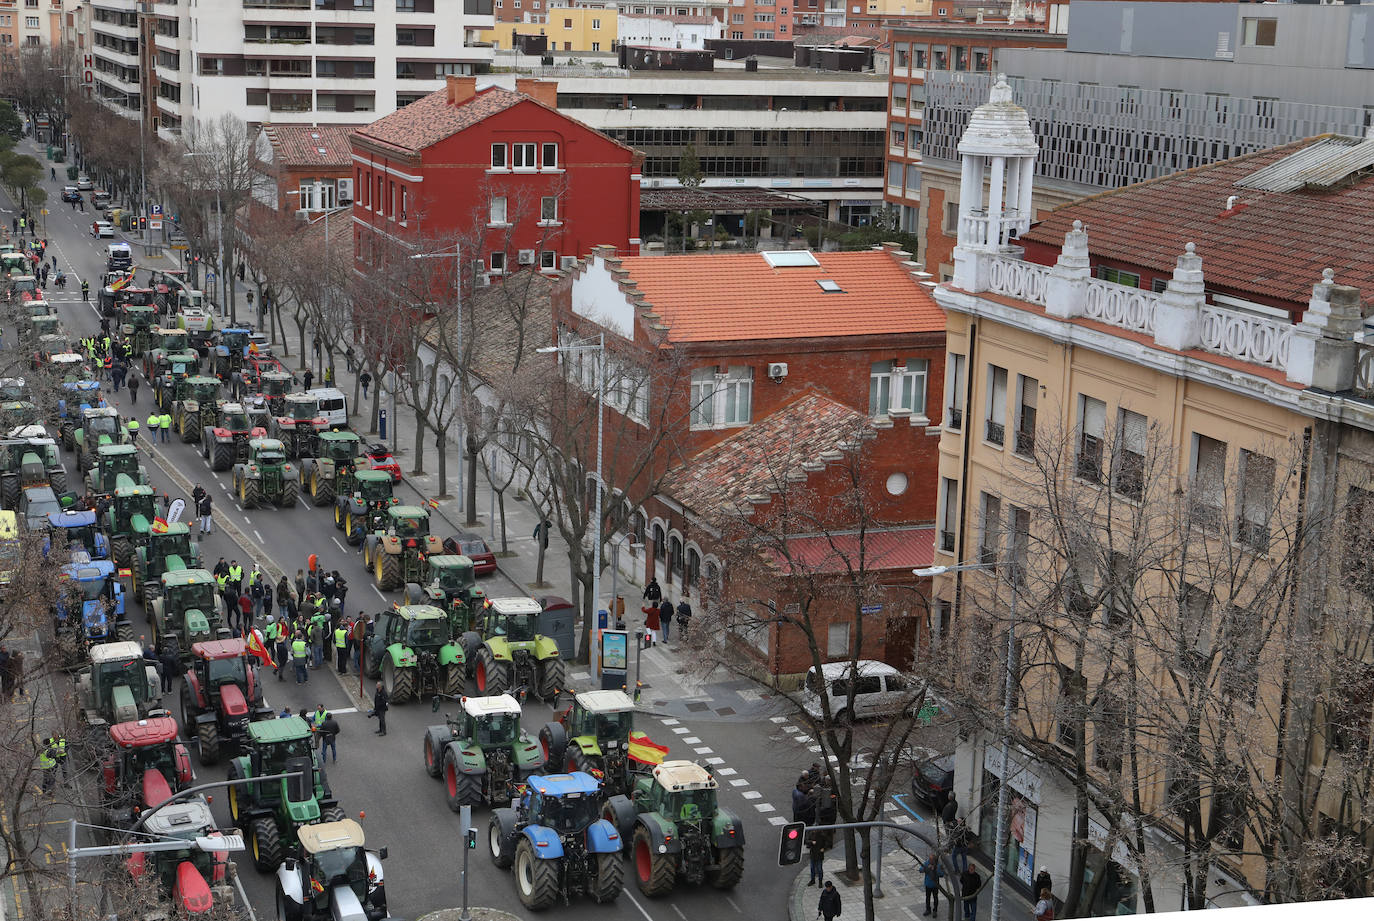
{"x":563,"y":784}
{"x":71,"y":518}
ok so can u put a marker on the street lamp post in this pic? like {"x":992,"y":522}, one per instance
{"x":600,"y":348}
{"x":999,"y":857}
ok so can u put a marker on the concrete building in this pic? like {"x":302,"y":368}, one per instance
{"x":30,"y":24}
{"x":670,"y":31}
{"x":1139,"y":367}
{"x":1134,"y":97}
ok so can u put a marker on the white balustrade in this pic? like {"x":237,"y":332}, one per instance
{"x":1364,"y":371}
{"x":1247,"y":337}
{"x":1017,"y":278}
{"x":1121,"y":305}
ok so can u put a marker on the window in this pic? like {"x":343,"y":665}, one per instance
{"x":380,"y":200}
{"x":1116,"y":276}
{"x":596,"y":24}
{"x":1019,"y":543}
{"x":1256,"y":500}
{"x":31,"y":22}
{"x":1129,"y":473}
{"x":596,"y":46}
{"x":498,"y":210}
{"x":721,"y":399}
{"x":1027,"y":395}
{"x":1349,"y":701}
{"x":954,"y":396}
{"x":548,"y":259}
{"x":1120,"y":590}
{"x":1078,"y":585}
{"x":1240,"y":655}
{"x":897,"y":386}
{"x":660,"y":543}
{"x":498,"y":156}
{"x":1092,"y":424}
{"x":675,"y":557}
{"x":837,"y":642}
{"x":1109,"y":733}
{"x":1260,"y":32}
{"x":522,"y":156}
{"x":567,"y":23}
{"x":548,"y":208}
{"x":391,"y":201}
{"x":362,"y":4}
{"x":405,"y":6}
{"x":1357,"y":562}
{"x":990,"y":538}
{"x":498,"y":262}
{"x":1208,"y":494}
{"x":549,"y":157}
{"x":951,"y":221}
{"x":996,"y":431}
{"x":1069,"y":711}
{"x":1195,"y":635}
{"x":949,"y":513}
{"x":402,"y":215}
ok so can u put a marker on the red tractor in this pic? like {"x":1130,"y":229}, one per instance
{"x":221,"y":695}
{"x":225,"y":443}
{"x":194,"y":878}
{"x":147,"y":766}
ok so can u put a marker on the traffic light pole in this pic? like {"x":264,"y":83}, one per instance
{"x":465,"y":822}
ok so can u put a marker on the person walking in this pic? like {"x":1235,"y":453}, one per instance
{"x":652,"y":592}
{"x":684,"y":618}
{"x":1043,"y":881}
{"x":816,"y":850}
{"x":800,"y":800}
{"x":949,"y":812}
{"x":1044,"y":908}
{"x":299,"y":651}
{"x":245,"y":615}
{"x":932,"y":871}
{"x":171,"y":668}
{"x":366,"y":381}
{"x":309,"y":378}
{"x":958,"y":844}
{"x":164,"y":427}
{"x":970,"y":882}
{"x":329,"y":735}
{"x":651,"y":624}
{"x":236,"y":382}
{"x":204,"y":508}
{"x":47,"y":763}
{"x":665,"y":614}
{"x":255,"y":585}
{"x":133,"y":388}
{"x":85,"y":290}
{"x":267,"y":601}
{"x":276,"y":632}
{"x":236,"y":575}
{"x":341,"y":648}
{"x":829,"y":905}
{"x":380,"y":703}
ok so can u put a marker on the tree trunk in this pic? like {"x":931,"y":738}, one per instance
{"x":376,"y":405}
{"x":300,"y":330}
{"x":439,"y":443}
{"x":583,"y":587}
{"x":868,"y":834}
{"x":420,"y":426}
{"x":541,"y":549}
{"x":470,"y":487}
{"x":501,"y":510}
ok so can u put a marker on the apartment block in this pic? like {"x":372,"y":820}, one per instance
{"x":30,"y":24}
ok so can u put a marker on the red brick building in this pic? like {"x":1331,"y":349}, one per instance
{"x":309,"y":168}
{"x":794,"y":368}
{"x":501,"y":174}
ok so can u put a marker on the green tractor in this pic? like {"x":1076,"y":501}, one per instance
{"x":483,"y":755}
{"x":31,"y":460}
{"x":452,"y":587}
{"x":163,"y":343}
{"x":171,"y":371}
{"x":594,"y":735}
{"x":187,"y":611}
{"x":676,"y":831}
{"x":328,"y":468}
{"x":119,"y":686}
{"x":99,"y":425}
{"x":413,"y":650}
{"x":401,"y":554}
{"x":194,"y":407}
{"x":166,"y":551}
{"x":266,"y":476}
{"x":112,"y":462}
{"x":506,"y":652}
{"x":274,"y":811}
{"x":45,"y":326}
{"x":363,"y":511}
{"x":129,"y":519}
{"x":137,"y":327}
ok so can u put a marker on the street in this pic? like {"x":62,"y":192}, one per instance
{"x":756,"y":760}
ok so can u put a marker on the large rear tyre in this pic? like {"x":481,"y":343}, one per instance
{"x":333,"y":814}
{"x":338,"y":517}
{"x":461,"y":789}
{"x":9,"y":491}
{"x":499,"y":841}
{"x":208,"y":734}
{"x":190,"y":429}
{"x":265,"y":844}
{"x":124,"y":631}
{"x":455,"y":679}
{"x":553,"y":677}
{"x":655,"y":873}
{"x":536,"y":880}
{"x":493,"y":677}
{"x":731,"y":868}
{"x":400,"y":683}
{"x":222,"y":457}
{"x":290,"y":493}
{"x":321,"y":490}
{"x":371,"y":667}
{"x":233,"y":792}
{"x":388,"y":571}
{"x":577,"y":760}
{"x":250,"y":493}
{"x":57,"y":479}
{"x":609,"y":880}
{"x":434,"y":765}
{"x":553,"y":740}
{"x":122,"y":549}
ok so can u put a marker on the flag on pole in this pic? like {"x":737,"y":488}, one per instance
{"x":644,"y":751}
{"x":124,"y":282}
{"x":159,"y":525}
{"x":256,"y":647}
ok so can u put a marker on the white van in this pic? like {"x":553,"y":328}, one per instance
{"x":881,"y":690}
{"x":333,"y":405}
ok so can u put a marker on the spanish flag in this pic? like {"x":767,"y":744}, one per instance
{"x":256,"y":647}
{"x":316,"y":885}
{"x":159,"y":525}
{"x":123,"y":282}
{"x":644,"y":751}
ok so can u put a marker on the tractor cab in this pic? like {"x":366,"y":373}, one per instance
{"x":88,"y":586}
{"x":119,"y":681}
{"x":233,"y":342}
{"x":101,"y":420}
{"x":408,"y":522}
{"x":77,"y":530}
{"x":274,"y":385}
{"x":682,"y":790}
{"x":133,"y":509}
{"x":514,"y":619}
{"x":235,"y":418}
{"x":266,"y":452}
{"x":340,"y":447}
{"x":276,"y":747}
{"x":148,"y":763}
{"x":201,"y":390}
{"x":13,"y":388}
{"x":195,"y":877}
{"x":113,"y":462}
{"x":334,"y":855}
{"x":491,"y":722}
{"x":170,"y":546}
{"x":567,"y":803}
{"x":171,"y":341}
{"x":607,"y":715}
{"x":220,"y":662}
{"x":189,"y":607}
{"x":454,"y":574}
{"x":74,"y":394}
{"x":46,"y":325}
{"x":14,"y":413}
{"x":302,"y":408}
{"x":372,"y":487}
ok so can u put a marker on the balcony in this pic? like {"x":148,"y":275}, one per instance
{"x":946,"y":541}
{"x":996,"y":433}
{"x":954,"y":419}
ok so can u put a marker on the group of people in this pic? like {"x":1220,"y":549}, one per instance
{"x":814,"y":802}
{"x":312,"y":621}
{"x":109,"y":361}
{"x":658,"y":615}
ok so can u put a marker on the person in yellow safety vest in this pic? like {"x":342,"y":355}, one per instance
{"x":165,"y":423}
{"x":154,"y":423}
{"x":236,"y":576}
{"x":341,"y":648}
{"x":47,"y":763}
{"x":60,"y":753}
{"x":107,"y":345}
{"x":221,"y":581}
{"x":133,"y":430}
{"x":299,"y":651}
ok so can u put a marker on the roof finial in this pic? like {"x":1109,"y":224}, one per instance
{"x":1328,"y":276}
{"x":1190,"y":248}
{"x":1001,"y":90}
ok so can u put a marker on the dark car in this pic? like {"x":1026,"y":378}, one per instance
{"x":931,"y":781}
{"x":474,"y":548}
{"x":71,"y":193}
{"x":36,"y":503}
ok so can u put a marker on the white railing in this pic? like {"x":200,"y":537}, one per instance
{"x":1121,"y":305}
{"x":1017,"y":278}
{"x":1364,"y":371}
{"x":1247,"y":337}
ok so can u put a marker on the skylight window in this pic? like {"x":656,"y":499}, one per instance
{"x":790,"y":259}
{"x":829,"y":286}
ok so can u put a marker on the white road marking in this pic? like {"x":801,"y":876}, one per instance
{"x":681,"y":730}
{"x":814,"y":748}
{"x":726,"y":772}
{"x":668,"y":722}
{"x":337,"y":544}
{"x":704,"y":751}
{"x":343,"y":709}
{"x":679,"y":911}
{"x":692,"y":740}
{"x":739,"y":782}
{"x":379,"y":593}
{"x":777,"y":719}
{"x":764,"y":807}
{"x":773,"y":820}
{"x":635,"y":902}
{"x":715,"y":760}
{"x":258,"y":535}
{"x":752,"y":794}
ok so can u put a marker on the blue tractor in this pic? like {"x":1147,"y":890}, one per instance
{"x":76,"y":529}
{"x":558,"y":842}
{"x":92,"y":588}
{"x":231,"y":352}
{"x":74,"y":397}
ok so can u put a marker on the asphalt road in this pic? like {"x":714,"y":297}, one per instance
{"x":384,"y":777}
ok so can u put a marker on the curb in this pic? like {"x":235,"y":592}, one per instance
{"x":796,"y":904}
{"x":476,"y":913}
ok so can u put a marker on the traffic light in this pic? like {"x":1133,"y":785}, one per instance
{"x":790,"y":847}
{"x":143,"y":223}
{"x":472,"y":841}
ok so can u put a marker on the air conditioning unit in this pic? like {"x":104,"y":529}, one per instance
{"x":525,"y":257}
{"x":567,"y":262}
{"x":303,"y":214}
{"x":777,"y":370}
{"x":652,"y":183}
{"x":345,"y":191}
{"x":482,"y":281}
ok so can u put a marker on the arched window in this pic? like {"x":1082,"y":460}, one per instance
{"x":711,"y":591}
{"x":693,"y":579}
{"x":638,"y":526}
{"x":660,"y":543}
{"x":675,"y":558}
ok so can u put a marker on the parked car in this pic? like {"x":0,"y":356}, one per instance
{"x":83,"y":182}
{"x":71,"y":193}
{"x":100,"y":198}
{"x":379,"y":456}
{"x":880,"y":690}
{"x":932,"y":779}
{"x":101,"y":228}
{"x":474,"y":548}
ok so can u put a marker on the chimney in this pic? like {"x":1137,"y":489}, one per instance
{"x":461,"y":89}
{"x":545,"y":91}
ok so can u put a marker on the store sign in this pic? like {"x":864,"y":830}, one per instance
{"x":1023,"y":780}
{"x":88,"y":72}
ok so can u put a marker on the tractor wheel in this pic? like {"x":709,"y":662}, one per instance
{"x":58,"y":481}
{"x":223,"y":457}
{"x":367,"y":549}
{"x":620,"y":812}
{"x":9,"y":491}
{"x":461,"y":789}
{"x":205,"y":447}
{"x":577,"y":760}
{"x":371,"y":667}
{"x":400,"y":683}
{"x":498,"y":841}
{"x":124,"y":631}
{"x":121,"y":548}
{"x":209,"y":742}
{"x":730,"y":862}
{"x":434,"y":765}
{"x":655,"y":873}
{"x":553,"y":741}
{"x":234,"y":792}
{"x":190,"y":429}
{"x":338,"y":517}
{"x":321,"y":490}
{"x":609,"y":880}
{"x":536,"y":880}
{"x":455,"y":680}
{"x":68,"y":437}
{"x":388,"y":571}
{"x":288,"y":909}
{"x":333,"y":814}
{"x":492,"y":677}
{"x":290,"y":491}
{"x":265,"y":844}
{"x":553,"y":677}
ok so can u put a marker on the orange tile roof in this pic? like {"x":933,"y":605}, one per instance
{"x":430,"y":119}
{"x":902,"y":549}
{"x":310,"y":145}
{"x":738,"y":297}
{"x":1272,"y":244}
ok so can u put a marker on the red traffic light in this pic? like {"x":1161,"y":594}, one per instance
{"x":790,"y":845}
{"x":793,"y":833}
